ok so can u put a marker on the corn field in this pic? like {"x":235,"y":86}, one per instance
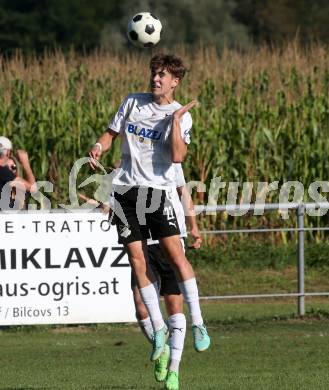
{"x":263,"y":115}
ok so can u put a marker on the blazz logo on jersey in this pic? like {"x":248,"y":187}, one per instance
{"x":145,"y":133}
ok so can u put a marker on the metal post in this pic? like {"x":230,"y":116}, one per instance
{"x":300,"y":260}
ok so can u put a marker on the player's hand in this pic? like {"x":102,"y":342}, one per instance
{"x":181,"y":111}
{"x":197,"y":239}
{"x":94,"y":154}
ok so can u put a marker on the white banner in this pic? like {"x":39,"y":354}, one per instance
{"x":62,"y":268}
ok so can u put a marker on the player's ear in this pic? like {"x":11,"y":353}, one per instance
{"x":175,"y":82}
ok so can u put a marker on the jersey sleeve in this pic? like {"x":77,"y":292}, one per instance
{"x":186,"y":125}
{"x":117,"y":124}
{"x":180,"y":179}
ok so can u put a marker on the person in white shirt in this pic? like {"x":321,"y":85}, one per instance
{"x":155,"y":131}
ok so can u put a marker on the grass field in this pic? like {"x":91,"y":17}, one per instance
{"x":255,"y":346}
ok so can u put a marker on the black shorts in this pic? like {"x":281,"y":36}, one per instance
{"x":132,"y":220}
{"x":162,"y":270}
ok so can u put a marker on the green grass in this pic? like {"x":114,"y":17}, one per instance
{"x":235,"y":281}
{"x":255,"y":346}
{"x":258,"y":267}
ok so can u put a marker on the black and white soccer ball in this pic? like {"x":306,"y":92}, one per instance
{"x":144,"y":30}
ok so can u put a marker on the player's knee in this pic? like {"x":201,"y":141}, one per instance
{"x":138,"y":263}
{"x":174,"y":304}
{"x":178,"y":261}
{"x":176,"y":255}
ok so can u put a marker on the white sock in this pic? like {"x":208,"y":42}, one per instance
{"x":177,"y":326}
{"x":150,"y":298}
{"x":174,"y":365}
{"x":147,"y":328}
{"x":157,"y":288}
{"x":189,"y":289}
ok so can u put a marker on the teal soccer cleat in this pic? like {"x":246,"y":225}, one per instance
{"x":159,"y":342}
{"x":201,"y":338}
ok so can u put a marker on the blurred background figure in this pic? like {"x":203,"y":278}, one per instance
{"x":14,"y":189}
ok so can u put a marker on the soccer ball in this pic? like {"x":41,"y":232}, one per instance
{"x":144,"y":30}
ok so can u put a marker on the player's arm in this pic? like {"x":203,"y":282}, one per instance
{"x":190,"y":217}
{"x":102,"y":145}
{"x":178,"y":145}
{"x":115,"y":127}
{"x":194,"y":231}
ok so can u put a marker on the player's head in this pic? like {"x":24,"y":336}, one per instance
{"x":166,"y":72}
{"x":5,"y":147}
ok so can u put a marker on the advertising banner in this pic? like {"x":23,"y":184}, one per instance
{"x":62,"y":268}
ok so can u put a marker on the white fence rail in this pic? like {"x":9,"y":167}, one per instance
{"x":300,"y":209}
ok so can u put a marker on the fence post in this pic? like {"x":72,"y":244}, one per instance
{"x":300,"y":260}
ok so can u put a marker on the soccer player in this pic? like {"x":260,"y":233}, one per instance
{"x":169,"y":288}
{"x":155,"y":131}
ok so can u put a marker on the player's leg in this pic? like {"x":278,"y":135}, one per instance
{"x":157,"y":262}
{"x":164,"y":227}
{"x":134,"y":236}
{"x":166,"y":369}
{"x":144,"y":322}
{"x":174,"y":252}
{"x":142,"y":315}
{"x":176,"y":322}
{"x":177,"y":329}
{"x":148,"y":291}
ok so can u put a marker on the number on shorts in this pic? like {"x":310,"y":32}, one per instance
{"x":170,"y":212}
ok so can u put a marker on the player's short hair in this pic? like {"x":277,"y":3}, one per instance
{"x":170,"y":62}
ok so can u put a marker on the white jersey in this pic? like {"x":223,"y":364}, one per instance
{"x":145,"y":127}
{"x":177,"y":204}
